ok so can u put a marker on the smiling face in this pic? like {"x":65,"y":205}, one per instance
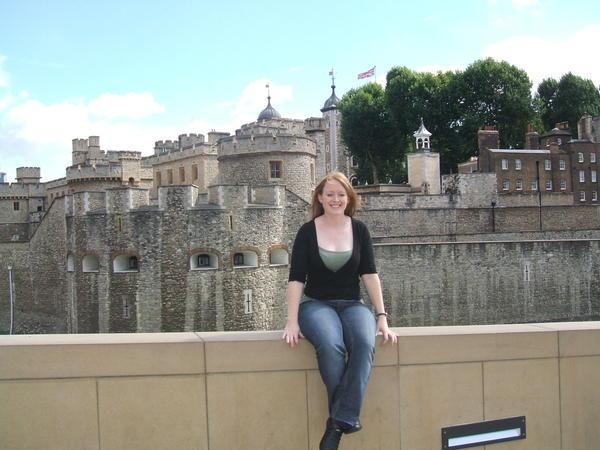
{"x":334,"y":198}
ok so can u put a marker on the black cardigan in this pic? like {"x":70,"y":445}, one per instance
{"x":320,"y":282}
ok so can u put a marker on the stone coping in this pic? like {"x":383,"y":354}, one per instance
{"x":189,"y":353}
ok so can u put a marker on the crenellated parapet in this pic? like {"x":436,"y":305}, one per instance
{"x":273,"y":126}
{"x":237,"y":145}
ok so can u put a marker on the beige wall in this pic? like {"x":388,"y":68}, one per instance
{"x":242,"y":390}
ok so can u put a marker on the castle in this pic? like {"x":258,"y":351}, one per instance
{"x":198,"y":236}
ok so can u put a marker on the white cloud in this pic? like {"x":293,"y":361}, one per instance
{"x":3,"y":74}
{"x":131,"y":105}
{"x":544,"y":57}
{"x":33,"y":133}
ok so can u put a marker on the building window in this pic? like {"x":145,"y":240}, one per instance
{"x":563,"y":185}
{"x":279,"y":257}
{"x":182,"y":174}
{"x":194,"y":171}
{"x":158,"y":179}
{"x":245,"y":259}
{"x":548,"y":185}
{"x":247,"y":301}
{"x":170,"y":176}
{"x":547,"y":164}
{"x":592,"y":157}
{"x":593,"y":173}
{"x":125,"y":263}
{"x":125,"y":309}
{"x":203,"y":261}
{"x":505,"y":164}
{"x":562,"y":164}
{"x":354,"y":162}
{"x":70,"y":263}
{"x":533,"y":185}
{"x":90,"y":263}
{"x":582,"y":196}
{"x":580,"y":157}
{"x":582,"y":176}
{"x":519,"y":186}
{"x":505,"y":185}
{"x":594,"y":196}
{"x":16,"y":206}
{"x":275,"y":169}
{"x":133,"y":263}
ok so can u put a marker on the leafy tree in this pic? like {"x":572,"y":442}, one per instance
{"x":567,"y":100}
{"x":494,"y":93}
{"x":368,"y":131}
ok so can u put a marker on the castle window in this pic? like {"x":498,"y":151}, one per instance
{"x":40,"y":208}
{"x":125,"y":263}
{"x":519,"y":186}
{"x":593,"y":174}
{"x":505,"y":185}
{"x":505,"y":164}
{"x":563,"y":185}
{"x":279,"y":257}
{"x":517,"y":164}
{"x":562,"y":164}
{"x":70,"y":263}
{"x":194,"y":171}
{"x":594,"y":196}
{"x":527,"y":271}
{"x":582,"y":176}
{"x":580,"y":157}
{"x":245,"y":259}
{"x":125,"y":309}
{"x":582,"y":196}
{"x":592,"y":157}
{"x":203,"y":261}
{"x":169,"y":176}
{"x":548,"y":185}
{"x":533,"y":185}
{"x":275,"y":169}
{"x":354,"y":162}
{"x":547,"y":164}
{"x":131,"y":181}
{"x":16,"y":206}
{"x":90,"y":263}
{"x":247,"y":301}
{"x":158,"y":178}
{"x":182,"y":174}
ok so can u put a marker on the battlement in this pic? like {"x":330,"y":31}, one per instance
{"x":79,"y":172}
{"x":118,"y":155}
{"x":189,"y":140}
{"x":314,"y":124}
{"x":236,"y":145}
{"x":242,"y":196}
{"x":22,"y":190}
{"x":214,"y":136}
{"x":284,"y":126}
{"x":28,"y":174}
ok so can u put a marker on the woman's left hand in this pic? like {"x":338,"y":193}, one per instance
{"x":384,"y":330}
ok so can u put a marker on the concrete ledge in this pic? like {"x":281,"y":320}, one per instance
{"x":227,"y":391}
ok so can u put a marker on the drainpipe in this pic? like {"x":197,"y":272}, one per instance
{"x":10,"y":293}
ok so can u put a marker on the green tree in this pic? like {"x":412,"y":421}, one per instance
{"x":369,"y":133}
{"x":494,"y":93}
{"x":566,"y":100}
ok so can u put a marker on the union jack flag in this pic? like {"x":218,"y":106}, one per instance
{"x":367,"y":74}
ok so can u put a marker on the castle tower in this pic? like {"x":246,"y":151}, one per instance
{"x":335,"y":156}
{"x":424,"y":165}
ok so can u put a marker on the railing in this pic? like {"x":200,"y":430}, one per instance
{"x":248,"y":390}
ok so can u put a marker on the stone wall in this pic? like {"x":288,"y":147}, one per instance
{"x":490,"y":282}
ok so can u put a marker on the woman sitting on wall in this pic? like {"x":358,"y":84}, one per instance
{"x":331,"y":254}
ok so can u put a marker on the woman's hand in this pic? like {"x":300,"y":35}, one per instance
{"x":292,"y":333}
{"x":384,"y":330}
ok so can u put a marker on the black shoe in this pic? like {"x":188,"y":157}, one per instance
{"x":348,"y":429}
{"x":332,"y":436}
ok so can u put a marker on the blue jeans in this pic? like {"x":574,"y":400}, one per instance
{"x":343,"y":334}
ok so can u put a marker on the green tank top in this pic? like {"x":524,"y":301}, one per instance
{"x":334,"y":261}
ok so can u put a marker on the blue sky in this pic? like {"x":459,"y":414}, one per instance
{"x":134,"y":72}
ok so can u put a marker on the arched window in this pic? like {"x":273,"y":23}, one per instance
{"x":204,"y":260}
{"x":245,"y":259}
{"x":279,"y":257}
{"x":70,"y":263}
{"x":90,"y":263}
{"x":125,"y":263}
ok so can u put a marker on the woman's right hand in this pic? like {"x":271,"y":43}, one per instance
{"x":292,"y":333}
